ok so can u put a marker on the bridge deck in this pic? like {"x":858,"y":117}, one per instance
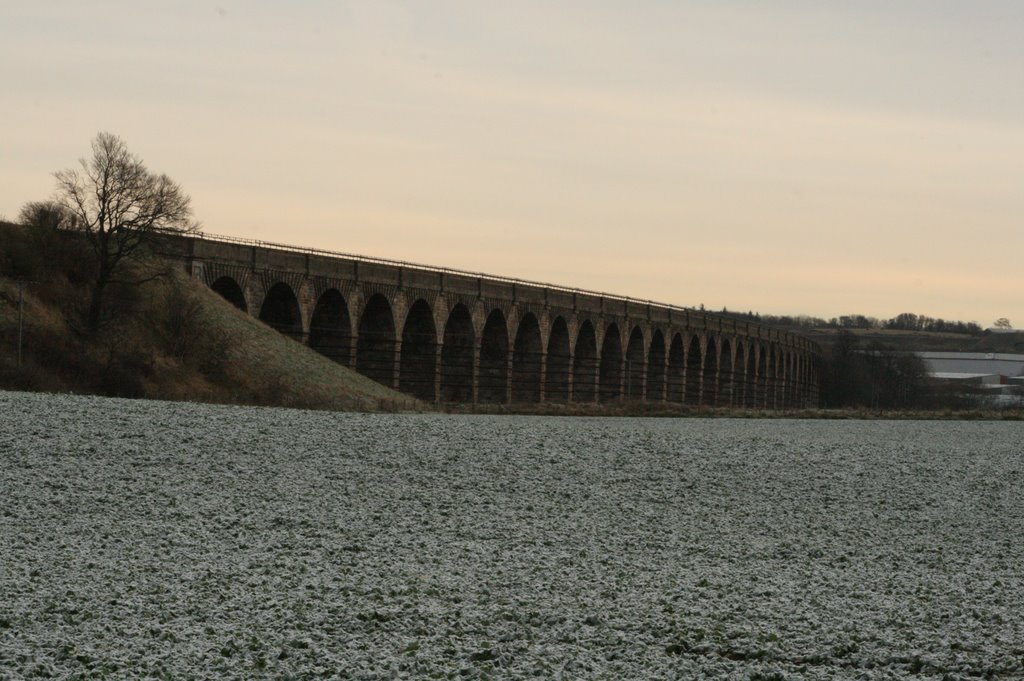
{"x":450,"y":335}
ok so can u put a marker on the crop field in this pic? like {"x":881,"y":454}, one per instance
{"x":169,"y":540}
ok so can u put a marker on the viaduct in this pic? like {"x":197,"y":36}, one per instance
{"x":448,"y":336}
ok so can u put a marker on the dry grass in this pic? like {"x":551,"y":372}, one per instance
{"x":179,"y":341}
{"x":285,"y":372}
{"x":212,"y":352}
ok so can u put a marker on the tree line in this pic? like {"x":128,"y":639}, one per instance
{"x":874,"y":376}
{"x":905,"y":321}
{"x":101,"y":313}
{"x":115,"y":204}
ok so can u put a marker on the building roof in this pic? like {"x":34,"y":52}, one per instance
{"x":999,"y":356}
{"x":977,"y":363}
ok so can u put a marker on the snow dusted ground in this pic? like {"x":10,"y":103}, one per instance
{"x":186,"y":541}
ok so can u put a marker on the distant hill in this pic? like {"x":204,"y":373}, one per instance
{"x":923,"y":341}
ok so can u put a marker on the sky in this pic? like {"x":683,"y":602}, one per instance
{"x":785,"y":157}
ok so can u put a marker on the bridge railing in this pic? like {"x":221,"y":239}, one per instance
{"x":433,"y":268}
{"x":259,"y":243}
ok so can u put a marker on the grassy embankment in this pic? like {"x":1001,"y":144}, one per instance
{"x":175,"y":339}
{"x":172,"y":339}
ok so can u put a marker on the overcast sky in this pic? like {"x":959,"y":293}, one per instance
{"x":784,"y":157}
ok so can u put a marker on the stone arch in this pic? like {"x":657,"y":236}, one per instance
{"x":776,"y":376}
{"x":693,"y":371}
{"x":280,"y":310}
{"x":804,"y":393}
{"x":635,"y":365}
{"x":330,"y":327}
{"x":585,"y":364}
{"x":558,"y":362}
{"x":675,"y":386}
{"x":229,"y":290}
{"x":764,"y":378}
{"x":656,"y":367}
{"x":610,"y":374}
{"x":787,"y":379}
{"x":493,"y":378}
{"x":709,"y":380}
{"x":816,"y":368}
{"x":796,"y":377}
{"x":527,"y":360}
{"x":457,"y":356}
{"x":739,"y":372}
{"x":417,"y":369}
{"x":782,"y":379}
{"x":375,"y":344}
{"x":726,"y":375}
{"x":801,"y":380}
{"x":750,"y":379}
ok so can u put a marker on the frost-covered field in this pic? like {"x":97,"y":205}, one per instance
{"x":186,"y":541}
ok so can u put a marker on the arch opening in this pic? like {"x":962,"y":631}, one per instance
{"x":610,"y":375}
{"x":493,"y":381}
{"x":556,"y":375}
{"x":527,"y":360}
{"x":418,"y":366}
{"x":726,"y":378}
{"x":675,"y":386}
{"x":635,"y":365}
{"x":774,"y":378}
{"x":229,"y":290}
{"x":457,"y":356}
{"x":764,"y":381}
{"x":656,"y":368}
{"x":785,"y":378}
{"x":739,"y":374}
{"x":375,"y":347}
{"x":693,"y":371}
{"x":749,"y":381}
{"x":280,"y":310}
{"x":798,"y":382}
{"x":584,"y":365}
{"x":709,"y":382}
{"x":330,"y":328}
{"x":796,"y":375}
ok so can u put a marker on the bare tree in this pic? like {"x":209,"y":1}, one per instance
{"x":47,"y":215}
{"x":118,"y":204}
{"x":40,"y":250}
{"x":1003,"y":324}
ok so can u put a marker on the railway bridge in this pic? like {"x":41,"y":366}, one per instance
{"x":444,"y":335}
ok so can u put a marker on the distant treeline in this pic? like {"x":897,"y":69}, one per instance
{"x":906,"y":321}
{"x":875,"y":376}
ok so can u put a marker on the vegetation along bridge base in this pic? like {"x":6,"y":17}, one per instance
{"x":448,"y":336}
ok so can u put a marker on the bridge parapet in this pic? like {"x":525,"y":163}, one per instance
{"x":450,"y":335}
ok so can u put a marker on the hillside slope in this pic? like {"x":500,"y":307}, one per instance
{"x":305,"y":377}
{"x":178,"y":340}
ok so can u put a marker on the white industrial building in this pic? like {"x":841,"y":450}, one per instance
{"x":999,"y":377}
{"x":985,"y":368}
